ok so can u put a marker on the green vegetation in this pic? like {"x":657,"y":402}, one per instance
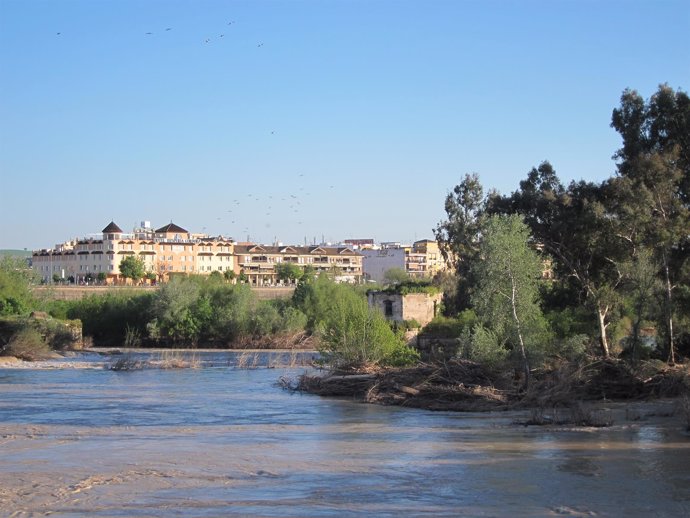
{"x":412,"y":286}
{"x":352,"y":334}
{"x":8,"y":252}
{"x":289,"y":272}
{"x":27,"y":344}
{"x":506,"y":295}
{"x":617,"y":252}
{"x":132,"y":268}
{"x":395,"y":276}
{"x":33,"y":338}
{"x":15,"y":286}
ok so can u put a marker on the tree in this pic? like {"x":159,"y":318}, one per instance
{"x":660,"y":125}
{"x":573,"y":226}
{"x":507,"y":298}
{"x":15,"y":286}
{"x":172,"y":310}
{"x":288,"y":272}
{"x":395,"y":276}
{"x":641,"y":282}
{"x":229,"y":275}
{"x":132,"y":267}
{"x":352,"y":333}
{"x":654,"y":185}
{"x":102,"y":276}
{"x":459,"y":235}
{"x":216,"y":276}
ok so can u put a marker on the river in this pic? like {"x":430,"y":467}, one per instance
{"x":81,"y":440}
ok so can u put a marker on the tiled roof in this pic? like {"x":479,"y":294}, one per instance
{"x":171,"y":227}
{"x":112,"y":228}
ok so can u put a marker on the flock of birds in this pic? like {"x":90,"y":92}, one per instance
{"x":286,"y":207}
{"x":254,"y":209}
{"x":205,"y":40}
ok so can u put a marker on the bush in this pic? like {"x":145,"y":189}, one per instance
{"x":353,"y":335}
{"x":106,"y":317}
{"x":484,"y":347}
{"x":448,"y":327}
{"x":27,"y":344}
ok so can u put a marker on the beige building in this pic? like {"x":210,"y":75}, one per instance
{"x":173,"y":250}
{"x":258,"y":262}
{"x":169,"y":249}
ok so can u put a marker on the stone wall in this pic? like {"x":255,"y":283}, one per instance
{"x":413,"y":306}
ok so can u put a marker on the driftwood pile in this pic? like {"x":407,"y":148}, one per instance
{"x":463,"y":385}
{"x":456,"y":385}
{"x":606,"y":379}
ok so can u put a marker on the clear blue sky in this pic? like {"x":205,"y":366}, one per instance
{"x":349,"y":119}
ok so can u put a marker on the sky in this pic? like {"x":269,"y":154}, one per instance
{"x":308,"y":120}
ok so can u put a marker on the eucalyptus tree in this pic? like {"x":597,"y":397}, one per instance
{"x":573,"y":226}
{"x":653,"y":187}
{"x":459,"y":236}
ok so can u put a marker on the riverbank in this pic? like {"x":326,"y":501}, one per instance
{"x":465,"y":386}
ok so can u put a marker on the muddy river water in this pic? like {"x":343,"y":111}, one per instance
{"x":81,"y":440}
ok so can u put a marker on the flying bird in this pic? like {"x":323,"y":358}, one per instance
{"x":58,"y":34}
{"x":260,"y":45}
{"x":169,"y":29}
{"x":149,"y":33}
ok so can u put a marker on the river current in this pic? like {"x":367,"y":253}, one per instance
{"x":81,"y":440}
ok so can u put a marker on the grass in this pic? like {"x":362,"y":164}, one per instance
{"x":165,"y":360}
{"x":177,"y":360}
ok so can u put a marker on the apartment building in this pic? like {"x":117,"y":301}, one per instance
{"x":172,"y":249}
{"x":257,"y":263}
{"x":421,"y":260}
{"x":166,"y":250}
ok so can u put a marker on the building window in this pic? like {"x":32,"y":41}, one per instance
{"x":388,"y":308}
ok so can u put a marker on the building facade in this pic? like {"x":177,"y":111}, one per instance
{"x":169,"y":249}
{"x":421,"y":260}
{"x":173,"y":250}
{"x":259,"y":263}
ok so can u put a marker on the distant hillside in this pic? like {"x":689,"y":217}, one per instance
{"x":15,"y":253}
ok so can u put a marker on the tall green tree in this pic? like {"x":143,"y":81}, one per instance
{"x":658,"y":125}
{"x":507,"y":296}
{"x":653,"y":187}
{"x":132,"y":267}
{"x":573,"y":226}
{"x":458,"y":235}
